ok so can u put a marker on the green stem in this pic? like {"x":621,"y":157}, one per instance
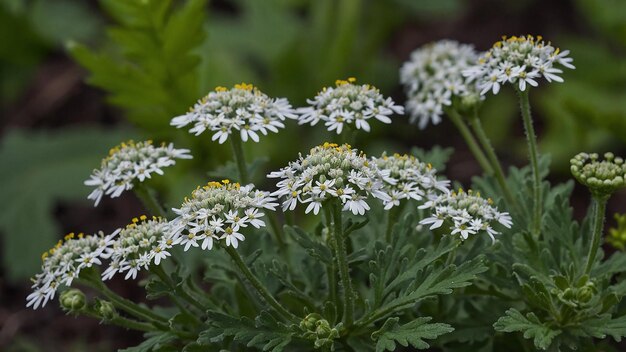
{"x":240,"y":159}
{"x":331,"y":271}
{"x":599,"y":209}
{"x":534,"y":159}
{"x":123,"y":303}
{"x":276,"y":229}
{"x":147,"y":197}
{"x":493,"y":158}
{"x":470,"y":140}
{"x":392,"y":216}
{"x":122,"y":322}
{"x":158,"y":271}
{"x":260,"y":288}
{"x":342,"y":260}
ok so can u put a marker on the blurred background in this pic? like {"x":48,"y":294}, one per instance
{"x":78,"y":77}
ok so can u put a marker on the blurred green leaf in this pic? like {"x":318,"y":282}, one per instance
{"x":40,"y":169}
{"x":60,"y":20}
{"x":151,"y":69}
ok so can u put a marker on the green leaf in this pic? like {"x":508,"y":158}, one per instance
{"x":265,"y":332}
{"x":152,"y":70}
{"x":41,"y":169}
{"x":412,"y":333}
{"x":312,"y":247}
{"x":153,"y":343}
{"x":437,"y":156}
{"x":601,"y":327}
{"x":530,"y":325}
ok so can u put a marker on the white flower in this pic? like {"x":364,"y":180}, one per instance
{"x":218,"y":211}
{"x":63,"y":263}
{"x":468,"y":213}
{"x":129,"y":163}
{"x":348,"y":104}
{"x":433,"y":75}
{"x":243,"y":110}
{"x":408,"y":178}
{"x":519,"y":61}
{"x":328,"y":172}
{"x":139,"y":244}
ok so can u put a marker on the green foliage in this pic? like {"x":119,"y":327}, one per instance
{"x":45,"y":168}
{"x":151,"y":70}
{"x":530,"y":325}
{"x":265,"y":332}
{"x":412,"y":333}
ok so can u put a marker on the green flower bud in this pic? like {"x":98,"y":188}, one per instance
{"x":601,"y":177}
{"x":106,"y":310}
{"x":586,"y":293}
{"x":309,"y":322}
{"x":73,"y":300}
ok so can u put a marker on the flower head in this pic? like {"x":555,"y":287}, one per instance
{"x":331,"y":171}
{"x":520,"y":61}
{"x":129,"y":163}
{"x":602,"y":177}
{"x":63,"y":263}
{"x":244,"y":110}
{"x":348,"y":104}
{"x":433,"y":77}
{"x":468,"y":213}
{"x":220,"y":211}
{"x":409,"y":178}
{"x":139,"y":244}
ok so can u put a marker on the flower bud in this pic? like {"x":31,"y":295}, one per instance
{"x":602,"y":177}
{"x":72,"y":300}
{"x":106,"y":310}
{"x":309,"y":322}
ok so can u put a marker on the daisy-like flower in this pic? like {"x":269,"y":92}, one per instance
{"x":521,"y":61}
{"x":331,"y":171}
{"x":130,"y":163}
{"x":138,"y":245}
{"x":409,"y":178}
{"x":63,"y":263}
{"x":243,"y":110}
{"x":348,"y":104}
{"x":467,"y":213}
{"x":220,"y":211}
{"x":434,"y":76}
{"x":602,"y":177}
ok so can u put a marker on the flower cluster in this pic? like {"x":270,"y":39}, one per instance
{"x":131,"y":162}
{"x":601,"y":177}
{"x":218,"y":211}
{"x":519,"y":61}
{"x":63,"y":263}
{"x":348,"y":104}
{"x":412,"y":179}
{"x":243,"y":108}
{"x":331,"y":171}
{"x":137,"y":245}
{"x":468,"y":213}
{"x":433,"y":76}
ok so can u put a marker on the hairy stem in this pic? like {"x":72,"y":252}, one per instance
{"x":341,"y":255}
{"x":470,"y":140}
{"x":147,"y":197}
{"x":240,"y":159}
{"x":123,"y":303}
{"x":534,"y":160}
{"x":599,"y":209}
{"x":258,"y":286}
{"x":178,"y":293}
{"x":122,"y":322}
{"x":493,"y":158}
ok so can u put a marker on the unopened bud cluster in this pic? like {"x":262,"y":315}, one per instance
{"x":602,"y":177}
